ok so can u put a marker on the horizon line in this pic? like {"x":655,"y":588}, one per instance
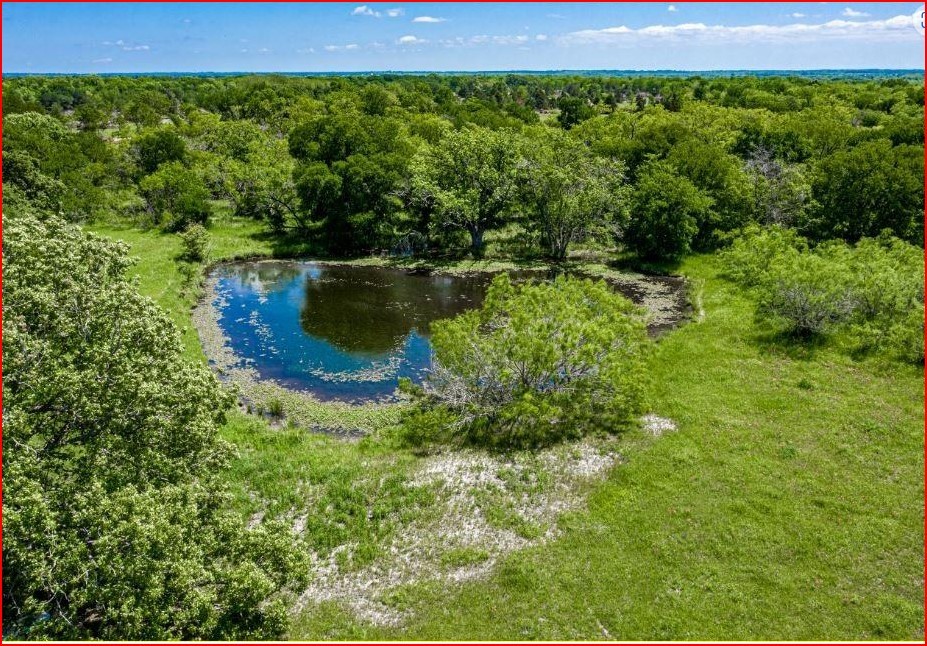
{"x":488,"y":71}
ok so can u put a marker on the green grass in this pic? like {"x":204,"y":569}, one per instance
{"x":789,"y":504}
{"x":777,"y":511}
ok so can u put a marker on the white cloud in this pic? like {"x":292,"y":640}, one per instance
{"x":484,"y":39}
{"x":341,"y":48}
{"x":853,"y":13}
{"x":306,"y":50}
{"x":136,"y":48}
{"x":428,"y":19}
{"x":541,"y":37}
{"x":890,"y":29}
{"x":364,"y":10}
{"x":102,"y":60}
{"x":411,"y":40}
{"x":796,"y":15}
{"x":186,"y":21}
{"x":672,"y":8}
{"x":264,"y":50}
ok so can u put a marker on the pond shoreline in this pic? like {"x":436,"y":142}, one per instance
{"x":665,"y":298}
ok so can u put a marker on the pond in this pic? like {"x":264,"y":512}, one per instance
{"x":338,"y":332}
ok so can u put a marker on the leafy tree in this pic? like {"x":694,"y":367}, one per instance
{"x":175,"y":197}
{"x":113,"y":512}
{"x":864,"y":190}
{"x":573,"y":111}
{"x":666,"y":209}
{"x":471,"y":175}
{"x":262,"y":185}
{"x":571,"y":192}
{"x":72,"y":166}
{"x":157,"y":147}
{"x":721,"y":177}
{"x":319,"y":191}
{"x":538,"y":363}
{"x":22,"y":171}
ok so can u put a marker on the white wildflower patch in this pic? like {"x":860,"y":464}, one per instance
{"x":657,"y":426}
{"x":488,"y":507}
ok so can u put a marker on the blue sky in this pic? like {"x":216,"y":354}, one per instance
{"x":225,"y":37}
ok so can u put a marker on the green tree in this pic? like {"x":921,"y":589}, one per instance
{"x":471,"y":175}
{"x":319,"y":191}
{"x":666,"y":209}
{"x":538,"y":363}
{"x":721,"y":177}
{"x":573,"y":111}
{"x":571,"y":193}
{"x":864,"y":190}
{"x":175,"y":197}
{"x":157,"y":147}
{"x":113,"y":511}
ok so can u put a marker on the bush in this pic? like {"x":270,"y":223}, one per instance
{"x":195,"y":241}
{"x":747,"y":260}
{"x":875,"y":289}
{"x":536,"y":365}
{"x":808,"y":293}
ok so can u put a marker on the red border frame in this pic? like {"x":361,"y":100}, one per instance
{"x":408,"y":2}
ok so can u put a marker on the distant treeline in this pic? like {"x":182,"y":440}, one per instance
{"x":658,"y":164}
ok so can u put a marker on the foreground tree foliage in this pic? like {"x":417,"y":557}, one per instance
{"x":539,"y":363}
{"x":114,"y":522}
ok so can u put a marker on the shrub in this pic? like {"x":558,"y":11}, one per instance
{"x":537,"y":364}
{"x":195,"y":241}
{"x":748,"y":258}
{"x":875,"y":289}
{"x":808,"y":293}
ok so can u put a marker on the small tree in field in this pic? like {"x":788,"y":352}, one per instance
{"x":195,"y":241}
{"x":537,"y":364}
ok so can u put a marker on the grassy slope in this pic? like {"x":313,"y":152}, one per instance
{"x":788,"y":505}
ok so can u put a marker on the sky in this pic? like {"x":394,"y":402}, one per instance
{"x":402,"y":36}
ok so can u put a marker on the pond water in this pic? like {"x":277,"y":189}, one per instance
{"x":340,"y":332}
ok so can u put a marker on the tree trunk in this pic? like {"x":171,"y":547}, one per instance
{"x":476,"y":242}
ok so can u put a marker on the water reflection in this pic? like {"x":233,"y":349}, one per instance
{"x":341,"y":332}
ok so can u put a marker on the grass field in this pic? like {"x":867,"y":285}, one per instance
{"x":788,"y":505}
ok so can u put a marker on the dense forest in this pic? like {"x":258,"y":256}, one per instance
{"x":808,"y":192}
{"x":431,"y":164}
